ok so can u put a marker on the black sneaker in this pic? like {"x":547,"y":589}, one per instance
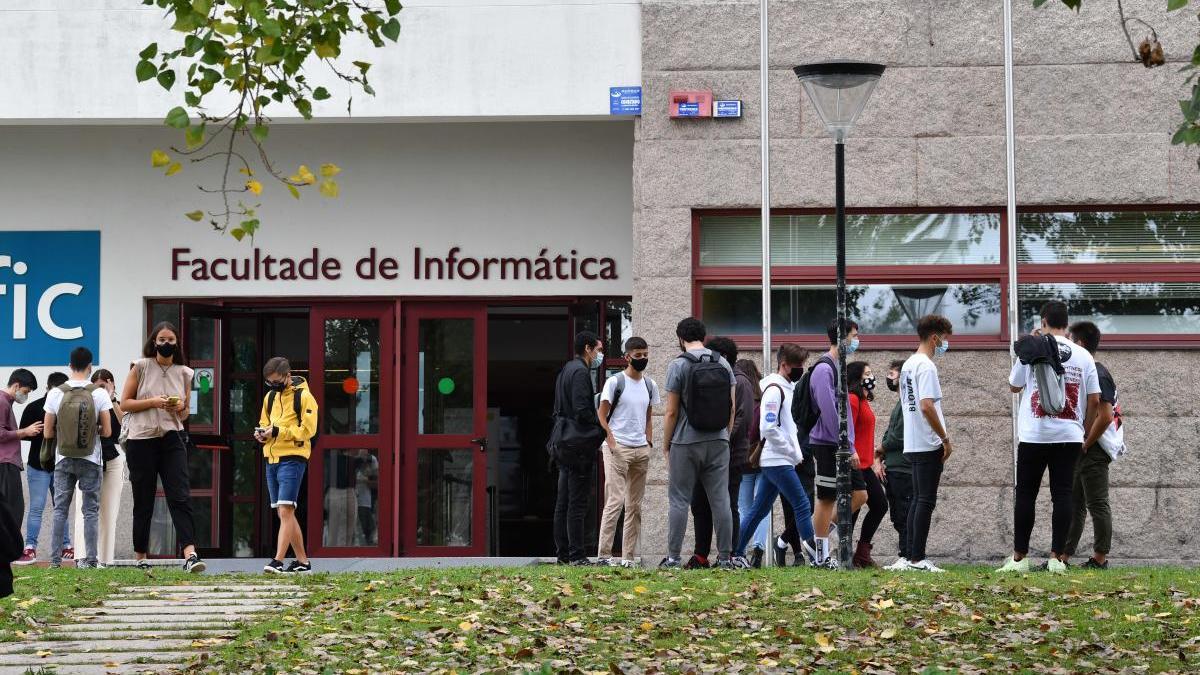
{"x":297,"y":567}
{"x":1093,"y":564}
{"x":696,"y":563}
{"x":143,"y":564}
{"x":194,"y":564}
{"x":670,"y":564}
{"x":756,"y":558}
{"x":582,"y":562}
{"x":275,"y":567}
{"x":780,"y":554}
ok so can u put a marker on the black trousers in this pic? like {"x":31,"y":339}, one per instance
{"x":12,"y":496}
{"x":877,"y":506}
{"x":899,"y":488}
{"x":1032,"y":461}
{"x":808,"y":480}
{"x":570,"y":510}
{"x":160,"y":459}
{"x":927,"y":475}
{"x":702,"y":520}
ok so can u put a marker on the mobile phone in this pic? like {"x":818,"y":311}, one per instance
{"x":173,"y":400}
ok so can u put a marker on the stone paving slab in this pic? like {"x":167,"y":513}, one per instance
{"x":200,"y":601}
{"x":209,"y":588}
{"x":184,"y":633}
{"x":173,"y":607}
{"x":99,"y":669}
{"x":165,"y":619}
{"x":111,"y":627}
{"x":92,"y":658}
{"x":216,"y":595}
{"x":120,"y":644}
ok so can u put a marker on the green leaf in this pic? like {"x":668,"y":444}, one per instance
{"x":325,"y":50}
{"x":177,"y":118}
{"x":234,"y":70}
{"x":259,"y":132}
{"x":250,"y":226}
{"x":304,"y":107}
{"x":201,"y":6}
{"x":192,"y":44}
{"x":167,"y":79}
{"x":145,"y":71}
{"x":195,"y":215}
{"x":194,"y":135}
{"x":1173,"y":5}
{"x":295,"y":193}
{"x":362,"y":66}
{"x":320,"y":94}
{"x":1180,"y":134}
{"x":271,"y":27}
{"x":228,"y":29}
{"x":394,"y":6}
{"x":1038,"y":3}
{"x":391,"y":30}
{"x":237,"y":233}
{"x":149,"y":52}
{"x":191,"y":99}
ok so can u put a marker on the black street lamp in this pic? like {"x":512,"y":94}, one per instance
{"x":839,"y":90}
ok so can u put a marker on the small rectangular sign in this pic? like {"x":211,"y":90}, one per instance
{"x":625,"y":100}
{"x":727,"y":108}
{"x":689,"y":109}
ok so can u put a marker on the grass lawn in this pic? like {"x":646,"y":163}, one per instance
{"x":43,"y":595}
{"x":608,"y":620}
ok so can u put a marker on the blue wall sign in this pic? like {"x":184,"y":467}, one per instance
{"x":689,"y":109}
{"x":49,"y":296}
{"x":727,"y":108}
{"x":625,"y":100}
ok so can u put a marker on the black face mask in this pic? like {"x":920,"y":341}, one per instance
{"x":276,"y":386}
{"x":894,"y":385}
{"x":165,"y":349}
{"x":639,"y":364}
{"x":869,"y":384}
{"x":795,"y":374}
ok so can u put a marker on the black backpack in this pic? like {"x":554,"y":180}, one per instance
{"x":804,"y":409}
{"x":296,"y":405}
{"x":707,"y":399}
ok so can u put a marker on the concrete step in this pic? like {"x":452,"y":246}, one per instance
{"x":33,"y":661}
{"x":184,"y":633}
{"x":99,"y":669}
{"x":61,"y":647}
{"x":201,"y":588}
{"x":157,"y":621}
{"x":216,"y":595}
{"x":178,"y":609}
{"x":147,"y":629}
{"x":199,"y":601}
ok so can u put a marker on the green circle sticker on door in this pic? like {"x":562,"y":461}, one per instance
{"x":446,"y":386}
{"x":204,"y":380}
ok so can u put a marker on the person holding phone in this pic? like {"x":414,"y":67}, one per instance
{"x":286,"y":428}
{"x":155,"y":396}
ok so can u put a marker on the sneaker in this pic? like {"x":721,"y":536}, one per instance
{"x":696,"y":562}
{"x":143,"y":564}
{"x":604,"y":562}
{"x":274,"y":567}
{"x":55,"y":565}
{"x":738,"y":562}
{"x":297,"y":567}
{"x":1093,"y":564}
{"x":831,"y":563}
{"x":1056,"y":566}
{"x":810,"y":554}
{"x":900,"y":565}
{"x":780,"y":555}
{"x":68,"y":553}
{"x":194,"y":564}
{"x":629,"y":564}
{"x":1045,"y":566}
{"x":85,"y":565}
{"x":1019,"y":566}
{"x":924,"y":566}
{"x":669,"y":563}
{"x":581,"y":562}
{"x":756,"y":558}
{"x":28,"y":557}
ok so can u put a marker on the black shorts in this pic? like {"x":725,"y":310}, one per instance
{"x":826,"y":456}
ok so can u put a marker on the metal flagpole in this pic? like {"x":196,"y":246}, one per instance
{"x":1014,"y":322}
{"x":765,"y":224}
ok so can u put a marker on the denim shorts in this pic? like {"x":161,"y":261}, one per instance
{"x":283,"y":482}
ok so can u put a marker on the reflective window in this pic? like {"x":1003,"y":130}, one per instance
{"x":1109,"y":236}
{"x":1130,"y":308}
{"x":351,"y":497}
{"x":446,"y":368}
{"x":444,"y":494}
{"x":618,"y":319}
{"x":351,"y":376}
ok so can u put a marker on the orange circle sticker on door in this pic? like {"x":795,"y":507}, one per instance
{"x":350,"y":385}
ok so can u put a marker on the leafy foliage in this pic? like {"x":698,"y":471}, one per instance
{"x":256,"y":53}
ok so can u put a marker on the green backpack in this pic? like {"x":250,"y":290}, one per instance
{"x":75,"y":424}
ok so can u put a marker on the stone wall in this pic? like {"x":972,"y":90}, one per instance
{"x":1094,"y":128}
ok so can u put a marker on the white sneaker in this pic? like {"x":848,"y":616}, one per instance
{"x":1019,"y":566}
{"x":900,"y":565}
{"x":924,"y":566}
{"x":1056,"y":566}
{"x":628,"y":564}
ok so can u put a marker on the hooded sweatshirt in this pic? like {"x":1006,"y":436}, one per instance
{"x":775,"y":423}
{"x":290,"y":437}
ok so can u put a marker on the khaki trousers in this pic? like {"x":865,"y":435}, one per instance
{"x":624,"y":486}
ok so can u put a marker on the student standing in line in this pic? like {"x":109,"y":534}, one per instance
{"x":626,"y":403}
{"x":746,"y":373}
{"x":780,"y":454}
{"x":1047,"y":441}
{"x":926,"y":441}
{"x":823,"y":440}
{"x":111,"y":482}
{"x":1104,"y":443}
{"x":74,"y":410}
{"x":12,"y":496}
{"x":576,"y":440}
{"x":699,"y":415}
{"x":40,"y":480}
{"x":862,"y":392}
{"x":894,"y":469}
{"x":739,"y":452}
{"x":286,"y":427}
{"x":156,"y":395}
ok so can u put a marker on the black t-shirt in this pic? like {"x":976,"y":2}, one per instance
{"x":34,"y":412}
{"x":1108,"y":387}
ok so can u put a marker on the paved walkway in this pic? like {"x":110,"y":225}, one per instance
{"x":148,"y":629}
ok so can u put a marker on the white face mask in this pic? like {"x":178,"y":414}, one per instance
{"x":21,"y":396}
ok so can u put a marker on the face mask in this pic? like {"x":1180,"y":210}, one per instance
{"x":165,"y":349}
{"x":639,"y":364}
{"x":597,"y":360}
{"x":275,"y":386}
{"x":869,"y":384}
{"x":942,"y":348}
{"x":795,"y":374}
{"x":852,"y":345}
{"x":21,"y":396}
{"x":893,"y":385}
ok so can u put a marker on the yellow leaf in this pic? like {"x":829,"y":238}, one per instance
{"x":887,"y":634}
{"x":328,"y":170}
{"x":159,"y":159}
{"x":43,"y":653}
{"x":647,"y":626}
{"x":329,"y":188}
{"x":246,"y":171}
{"x":325,"y":51}
{"x":885,"y":604}
{"x":303,"y":175}
{"x":112,"y":664}
{"x":768,"y":663}
{"x":26,"y":604}
{"x":823,"y":642}
{"x":466,"y":626}
{"x":175,"y":168}
{"x":254,"y":186}
{"x":640,"y":589}
{"x":195,"y":215}
{"x":1133,"y":618}
{"x":295,"y":193}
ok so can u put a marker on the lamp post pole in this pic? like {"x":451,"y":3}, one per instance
{"x":845,"y":529}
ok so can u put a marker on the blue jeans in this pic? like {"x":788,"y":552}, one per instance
{"x":750,"y":482}
{"x":41,"y":483}
{"x":69,"y":472}
{"x":283,"y":482}
{"x":777,"y":480}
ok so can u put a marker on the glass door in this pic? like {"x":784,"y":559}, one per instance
{"x":352,"y":363}
{"x":445,"y":476}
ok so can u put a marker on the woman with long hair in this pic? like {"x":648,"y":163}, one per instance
{"x":753,"y":475}
{"x":861,"y":385}
{"x":156,"y":396}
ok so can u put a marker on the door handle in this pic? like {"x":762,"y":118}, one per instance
{"x":481,"y":442}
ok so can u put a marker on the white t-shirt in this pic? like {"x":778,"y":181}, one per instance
{"x":919,"y":381}
{"x":103,"y":405}
{"x":1033,"y":424}
{"x":628,"y":421}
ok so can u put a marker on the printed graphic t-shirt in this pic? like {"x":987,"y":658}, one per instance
{"x":1082,"y":379}
{"x":919,"y":381}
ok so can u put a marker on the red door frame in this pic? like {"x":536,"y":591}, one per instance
{"x":414,"y":442}
{"x":383,"y":440}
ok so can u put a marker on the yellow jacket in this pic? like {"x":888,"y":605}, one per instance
{"x":291,"y":436}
